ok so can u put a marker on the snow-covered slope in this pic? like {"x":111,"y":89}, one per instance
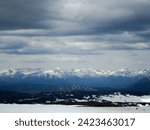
{"x":126,"y":98}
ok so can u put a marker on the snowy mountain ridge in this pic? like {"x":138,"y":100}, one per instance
{"x":74,"y":72}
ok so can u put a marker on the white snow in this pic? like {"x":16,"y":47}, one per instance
{"x":79,"y":100}
{"x":14,"y":108}
{"x":146,"y":100}
{"x":126,"y":98}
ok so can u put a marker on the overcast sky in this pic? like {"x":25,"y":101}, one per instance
{"x":101,"y":34}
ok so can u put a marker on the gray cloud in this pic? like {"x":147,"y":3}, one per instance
{"x":24,"y":14}
{"x":75,"y":28}
{"x":75,"y":45}
{"x":74,"y":17}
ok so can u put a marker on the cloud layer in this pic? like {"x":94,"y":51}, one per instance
{"x":93,"y":25}
{"x":74,"y":27}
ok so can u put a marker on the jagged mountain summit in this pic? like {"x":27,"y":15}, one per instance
{"x":39,"y":80}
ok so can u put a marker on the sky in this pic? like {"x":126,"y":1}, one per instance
{"x":100,"y":34}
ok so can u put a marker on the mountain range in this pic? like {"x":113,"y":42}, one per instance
{"x":39,"y":80}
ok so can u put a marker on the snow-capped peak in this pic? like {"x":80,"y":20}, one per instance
{"x":55,"y":72}
{"x":8,"y":72}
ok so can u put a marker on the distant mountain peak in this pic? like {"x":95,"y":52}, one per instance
{"x":9,"y":71}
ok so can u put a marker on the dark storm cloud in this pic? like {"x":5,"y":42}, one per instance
{"x":80,"y":27}
{"x":47,"y":14}
{"x":12,"y":46}
{"x":23,"y":14}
